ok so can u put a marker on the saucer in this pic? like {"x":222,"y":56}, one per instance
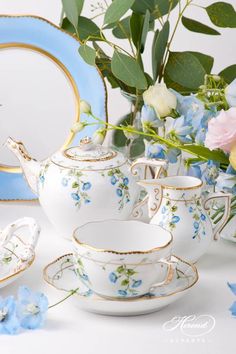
{"x":14,"y":260}
{"x":61,"y":275}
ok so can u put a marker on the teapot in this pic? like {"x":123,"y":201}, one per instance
{"x":176,"y":204}
{"x":83,"y":183}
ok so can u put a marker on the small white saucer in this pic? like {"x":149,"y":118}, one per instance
{"x":12,"y":266}
{"x":61,"y":275}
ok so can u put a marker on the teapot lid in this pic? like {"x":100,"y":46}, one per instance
{"x":88,"y":156}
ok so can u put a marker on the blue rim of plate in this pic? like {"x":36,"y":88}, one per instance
{"x":61,"y":47}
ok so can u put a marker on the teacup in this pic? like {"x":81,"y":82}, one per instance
{"x":122,"y":259}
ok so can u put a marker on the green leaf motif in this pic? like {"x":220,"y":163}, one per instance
{"x":72,"y":10}
{"x":120,"y":269}
{"x":195,"y":26}
{"x":158,"y":49}
{"x":128,"y":70}
{"x":185,"y":69}
{"x":229,"y":73}
{"x":88,"y":54}
{"x":222,"y":14}
{"x":116,"y":10}
{"x":124,"y":282}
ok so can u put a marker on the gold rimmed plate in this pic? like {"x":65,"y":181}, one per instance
{"x":62,"y":276}
{"x":42,"y":78}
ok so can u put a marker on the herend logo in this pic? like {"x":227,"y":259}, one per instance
{"x":191,"y":326}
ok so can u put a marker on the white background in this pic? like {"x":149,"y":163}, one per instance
{"x":70,"y":330}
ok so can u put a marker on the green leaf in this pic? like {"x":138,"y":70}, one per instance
{"x":87,"y":28}
{"x":157,"y":8}
{"x":67,"y":26}
{"x":120,"y":269}
{"x":127,"y":69}
{"x":195,"y":26}
{"x":137,"y":147}
{"x":116,"y":10}
{"x":206,"y":60}
{"x":145,"y":30}
{"x":131,"y":271}
{"x":88,"y":54}
{"x":185,"y":69}
{"x":158,"y":48}
{"x":229,"y":73}
{"x":222,"y":14}
{"x":118,"y":137}
{"x":72,"y":10}
{"x":136,"y":25}
{"x":122,"y":29}
{"x":124,"y":282}
{"x":201,"y":151}
{"x":75,"y":185}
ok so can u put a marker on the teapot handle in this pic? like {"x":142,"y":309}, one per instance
{"x":221,"y":223}
{"x":8,"y":232}
{"x":161,"y":166}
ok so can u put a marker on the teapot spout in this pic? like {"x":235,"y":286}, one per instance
{"x":30,"y":166}
{"x":154,"y":191}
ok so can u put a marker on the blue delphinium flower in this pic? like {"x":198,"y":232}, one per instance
{"x":154,"y":150}
{"x":172,"y":155}
{"x":122,"y":292}
{"x":9,"y":323}
{"x":233,"y":306}
{"x":119,"y":192}
{"x":211,"y":172}
{"x":193,"y":169}
{"x":136,"y":283}
{"x":149,"y":119}
{"x":126,"y":181}
{"x":113,"y":277}
{"x":191,"y":108}
{"x":203,"y":126}
{"x":75,"y":196}
{"x":180,"y":129}
{"x":31,"y":308}
{"x":226,"y":183}
{"x":86,"y":186}
{"x":113,"y":180}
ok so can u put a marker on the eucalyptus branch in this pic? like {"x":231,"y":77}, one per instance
{"x":128,"y":37}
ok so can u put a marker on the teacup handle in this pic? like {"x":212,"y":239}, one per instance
{"x":160,"y":166}
{"x":221,"y":223}
{"x":8,"y":232}
{"x":169,"y":275}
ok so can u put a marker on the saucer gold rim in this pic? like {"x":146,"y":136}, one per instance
{"x":142,"y":298}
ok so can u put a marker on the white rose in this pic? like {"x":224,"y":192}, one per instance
{"x":85,"y":107}
{"x":161,"y":99}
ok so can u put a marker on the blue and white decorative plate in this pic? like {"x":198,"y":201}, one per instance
{"x":41,"y":36}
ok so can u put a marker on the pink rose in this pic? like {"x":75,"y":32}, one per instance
{"x":222,"y":131}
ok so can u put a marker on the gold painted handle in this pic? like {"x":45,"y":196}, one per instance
{"x":169,"y":276}
{"x":160,"y":166}
{"x":221,"y":223}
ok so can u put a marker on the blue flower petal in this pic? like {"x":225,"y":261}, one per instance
{"x":86,"y":186}
{"x":113,"y":277}
{"x":122,"y":292}
{"x":232,"y":287}
{"x":175,"y":219}
{"x":136,"y":283}
{"x":233,"y":309}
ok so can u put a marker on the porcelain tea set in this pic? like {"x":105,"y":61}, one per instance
{"x":120,"y":266}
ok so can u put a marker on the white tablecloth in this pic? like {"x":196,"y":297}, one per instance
{"x":70,"y":330}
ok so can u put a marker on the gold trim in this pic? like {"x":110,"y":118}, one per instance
{"x":106,"y":158}
{"x":117,"y":252}
{"x":19,"y":271}
{"x":166,"y":186}
{"x":141,"y":298}
{"x":91,"y":169}
{"x":15,"y":169}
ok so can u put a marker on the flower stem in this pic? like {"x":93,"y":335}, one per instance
{"x":64,"y":299}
